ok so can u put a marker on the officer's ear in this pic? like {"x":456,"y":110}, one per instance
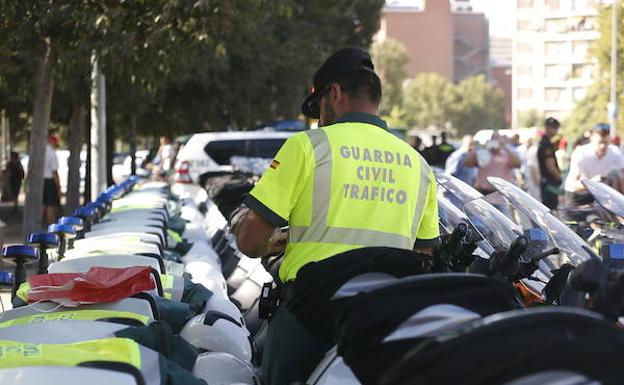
{"x":336,"y":94}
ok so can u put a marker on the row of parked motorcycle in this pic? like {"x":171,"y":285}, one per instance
{"x":126,"y":291}
{"x":144,"y":287}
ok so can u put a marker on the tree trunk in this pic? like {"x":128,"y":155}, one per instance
{"x":44,"y":87}
{"x":98,"y":129}
{"x":133,"y":145}
{"x":75,"y":142}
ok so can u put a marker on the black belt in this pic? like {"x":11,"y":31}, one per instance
{"x":287,"y":292}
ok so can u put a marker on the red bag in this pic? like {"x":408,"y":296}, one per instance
{"x":99,"y":284}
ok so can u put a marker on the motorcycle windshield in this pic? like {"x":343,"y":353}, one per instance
{"x":573,"y":249}
{"x":607,"y":197}
{"x":453,"y":194}
{"x":456,"y":191}
{"x":492,"y":225}
{"x":450,"y":215}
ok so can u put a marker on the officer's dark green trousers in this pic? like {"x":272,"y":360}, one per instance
{"x":291,"y":353}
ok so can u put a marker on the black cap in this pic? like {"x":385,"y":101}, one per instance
{"x":343,"y":61}
{"x":552,"y":122}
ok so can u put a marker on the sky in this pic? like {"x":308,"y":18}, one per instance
{"x":500,"y":14}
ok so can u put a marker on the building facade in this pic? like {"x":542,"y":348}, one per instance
{"x":551,"y":68}
{"x":440,"y":36}
{"x":425,"y":28}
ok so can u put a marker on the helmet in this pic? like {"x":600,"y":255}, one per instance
{"x":215,"y":331}
{"x":223,"y":369}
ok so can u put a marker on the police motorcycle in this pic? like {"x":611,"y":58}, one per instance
{"x":245,"y":277}
{"x":607,"y":222}
{"x":213,"y":317}
{"x":598,"y":219}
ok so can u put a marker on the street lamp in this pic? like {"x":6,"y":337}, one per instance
{"x":613,"y":104}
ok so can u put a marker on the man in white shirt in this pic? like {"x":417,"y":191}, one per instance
{"x":591,"y":161}
{"x":51,"y":184}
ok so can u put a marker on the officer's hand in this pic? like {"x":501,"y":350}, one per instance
{"x":277,"y":241}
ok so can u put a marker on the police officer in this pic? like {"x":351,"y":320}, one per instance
{"x":349,"y":184}
{"x":549,"y":169}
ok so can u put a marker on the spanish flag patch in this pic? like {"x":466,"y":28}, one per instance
{"x":274,"y":164}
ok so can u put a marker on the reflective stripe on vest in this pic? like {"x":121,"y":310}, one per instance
{"x":82,"y":315}
{"x":18,"y":354}
{"x":319,"y":232}
{"x":22,"y":291}
{"x":173,"y":287}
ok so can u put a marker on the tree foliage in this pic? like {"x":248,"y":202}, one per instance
{"x":471,"y":105}
{"x":390,"y":59}
{"x":593,"y":108}
{"x":180,"y":65}
{"x":428,"y":100}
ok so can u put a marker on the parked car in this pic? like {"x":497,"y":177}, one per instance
{"x":212,"y":151}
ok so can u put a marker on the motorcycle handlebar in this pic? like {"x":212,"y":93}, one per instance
{"x":454,"y":240}
{"x":508,"y":263}
{"x":547,"y":253}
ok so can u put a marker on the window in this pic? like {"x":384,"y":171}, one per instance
{"x":525,"y":70}
{"x":523,"y":25}
{"x":555,"y":48}
{"x":578,"y":93}
{"x":525,"y":3}
{"x":525,"y":47}
{"x":579,"y":48}
{"x":554,"y":94}
{"x":265,"y":148}
{"x":222,"y":150}
{"x":581,"y":5}
{"x":553,"y":4}
{"x":557,"y":72}
{"x":525,"y":93}
{"x":582,"y":71}
{"x":557,"y":25}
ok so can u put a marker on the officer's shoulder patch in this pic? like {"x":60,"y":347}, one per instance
{"x":274,"y":164}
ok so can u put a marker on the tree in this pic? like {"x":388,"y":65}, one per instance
{"x":428,"y":100}
{"x":587,"y":112}
{"x":471,"y":105}
{"x":530,"y":118}
{"x":593,"y":108}
{"x":478,"y":105}
{"x":390,"y":59}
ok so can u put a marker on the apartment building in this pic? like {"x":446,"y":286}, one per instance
{"x":551,"y":68}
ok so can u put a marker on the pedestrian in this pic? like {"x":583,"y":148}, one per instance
{"x":548,"y":166}
{"x":432,"y":154}
{"x":348,"y":185}
{"x":445,"y":149}
{"x":164,"y":158}
{"x":51,"y":183}
{"x":15,"y":177}
{"x":455,"y":162}
{"x":594,"y":160}
{"x":496,"y":159}
{"x":416,"y":143}
{"x":532,"y":175}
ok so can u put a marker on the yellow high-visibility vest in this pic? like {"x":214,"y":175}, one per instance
{"x":346,"y":186}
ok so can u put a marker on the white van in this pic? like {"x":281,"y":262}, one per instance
{"x":212,"y":151}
